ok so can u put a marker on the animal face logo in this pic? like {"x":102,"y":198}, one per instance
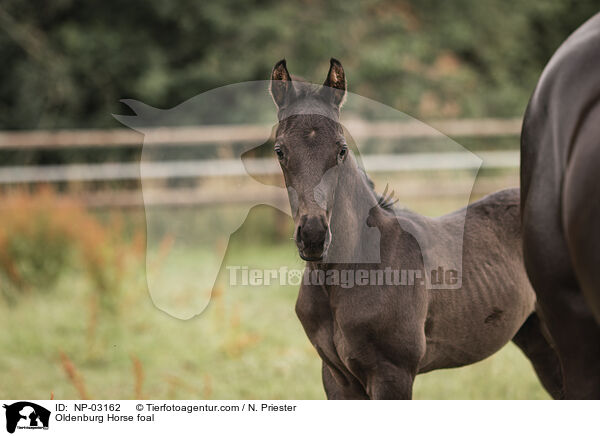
{"x":307,"y":139}
{"x":26,"y":415}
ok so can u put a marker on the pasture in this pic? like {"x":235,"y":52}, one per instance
{"x":247,"y":344}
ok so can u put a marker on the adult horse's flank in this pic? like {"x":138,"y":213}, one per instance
{"x":560,"y":185}
{"x":374,"y":338}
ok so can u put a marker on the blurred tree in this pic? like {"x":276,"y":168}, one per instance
{"x":67,"y":63}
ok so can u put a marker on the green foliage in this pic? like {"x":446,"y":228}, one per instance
{"x":68,"y":64}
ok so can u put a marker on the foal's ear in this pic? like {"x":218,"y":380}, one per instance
{"x":334,"y":87}
{"x":281,"y":87}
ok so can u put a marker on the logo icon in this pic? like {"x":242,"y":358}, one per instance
{"x":26,"y":415}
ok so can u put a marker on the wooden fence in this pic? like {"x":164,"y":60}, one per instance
{"x":206,"y":168}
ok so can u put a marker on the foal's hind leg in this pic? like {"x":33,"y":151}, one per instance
{"x":532,"y":341}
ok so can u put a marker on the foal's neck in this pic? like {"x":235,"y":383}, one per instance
{"x":352,"y":240}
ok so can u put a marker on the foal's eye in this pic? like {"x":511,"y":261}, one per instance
{"x":343,"y":152}
{"x":279,"y":152}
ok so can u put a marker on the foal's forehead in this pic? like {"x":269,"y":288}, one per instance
{"x":311,"y":126}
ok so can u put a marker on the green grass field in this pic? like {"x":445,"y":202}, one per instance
{"x":247,"y":344}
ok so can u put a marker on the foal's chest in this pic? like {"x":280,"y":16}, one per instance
{"x":324,"y":332}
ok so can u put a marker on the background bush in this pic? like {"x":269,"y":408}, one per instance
{"x":43,"y":235}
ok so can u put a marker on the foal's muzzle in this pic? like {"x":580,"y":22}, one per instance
{"x":312,"y":237}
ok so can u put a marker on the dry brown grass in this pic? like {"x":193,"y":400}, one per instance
{"x":73,"y":375}
{"x":138,"y":377}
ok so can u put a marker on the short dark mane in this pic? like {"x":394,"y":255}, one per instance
{"x":386,"y":201}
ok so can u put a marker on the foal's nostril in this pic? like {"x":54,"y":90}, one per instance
{"x":313,"y":231}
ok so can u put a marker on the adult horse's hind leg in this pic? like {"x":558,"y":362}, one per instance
{"x":581,"y":209}
{"x":562,"y":306}
{"x":532,"y":341}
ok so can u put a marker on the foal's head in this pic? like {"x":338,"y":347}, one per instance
{"x":311,"y":149}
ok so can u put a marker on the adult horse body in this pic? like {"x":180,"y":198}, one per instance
{"x":374,"y":337}
{"x":560,"y":185}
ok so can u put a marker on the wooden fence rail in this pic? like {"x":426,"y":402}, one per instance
{"x":235,"y":167}
{"x":206,"y":135}
{"x":207,"y":168}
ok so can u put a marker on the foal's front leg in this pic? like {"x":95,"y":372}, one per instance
{"x":314,"y":312}
{"x":383,"y":344}
{"x":352,"y":390}
{"x":389,"y":381}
